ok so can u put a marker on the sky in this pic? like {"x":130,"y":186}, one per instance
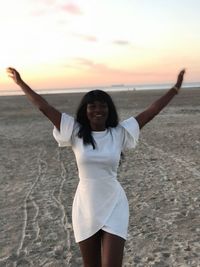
{"x":88,"y":43}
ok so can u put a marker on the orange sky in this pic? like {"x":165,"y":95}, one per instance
{"x":63,"y":44}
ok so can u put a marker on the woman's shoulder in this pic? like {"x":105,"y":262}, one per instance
{"x":123,"y":124}
{"x":67,"y":119}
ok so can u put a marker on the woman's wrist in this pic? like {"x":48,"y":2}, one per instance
{"x":20,"y":83}
{"x":176,"y":88}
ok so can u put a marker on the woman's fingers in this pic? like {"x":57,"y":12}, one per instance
{"x":181,"y":74}
{"x":180,"y":78}
{"x":11,"y":70}
{"x":12,"y":73}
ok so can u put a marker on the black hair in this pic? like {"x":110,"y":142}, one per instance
{"x":82,"y":119}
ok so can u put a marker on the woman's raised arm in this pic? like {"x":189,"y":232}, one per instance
{"x":147,"y":115}
{"x":50,"y":112}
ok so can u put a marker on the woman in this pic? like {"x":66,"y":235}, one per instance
{"x":100,"y":207}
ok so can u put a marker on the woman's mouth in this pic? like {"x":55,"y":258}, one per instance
{"x":99,"y":117}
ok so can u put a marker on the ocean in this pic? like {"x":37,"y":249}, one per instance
{"x":112,"y":88}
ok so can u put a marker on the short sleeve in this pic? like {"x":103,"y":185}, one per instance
{"x":131,"y":133}
{"x":63,"y":137}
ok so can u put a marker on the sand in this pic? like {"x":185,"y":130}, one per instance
{"x":161,"y":178}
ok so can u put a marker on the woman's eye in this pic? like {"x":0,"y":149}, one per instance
{"x":91,"y":106}
{"x":103,"y":105}
{"x":100,"y":105}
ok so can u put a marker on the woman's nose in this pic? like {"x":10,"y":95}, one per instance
{"x":99,"y":109}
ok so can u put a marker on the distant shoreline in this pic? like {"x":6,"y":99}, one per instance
{"x":85,"y":90}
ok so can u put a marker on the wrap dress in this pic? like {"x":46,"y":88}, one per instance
{"x":100,"y":201}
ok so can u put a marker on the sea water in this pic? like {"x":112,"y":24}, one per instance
{"x":112,"y":88}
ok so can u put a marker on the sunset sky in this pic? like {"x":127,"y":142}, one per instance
{"x":63,"y":44}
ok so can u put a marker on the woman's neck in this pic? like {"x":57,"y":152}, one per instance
{"x":98,"y":128}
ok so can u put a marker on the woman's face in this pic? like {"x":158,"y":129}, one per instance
{"x":97,"y":113}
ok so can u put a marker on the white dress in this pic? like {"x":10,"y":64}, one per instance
{"x":100,"y":201}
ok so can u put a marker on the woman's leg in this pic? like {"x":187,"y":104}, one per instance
{"x":112,"y":250}
{"x":91,"y":250}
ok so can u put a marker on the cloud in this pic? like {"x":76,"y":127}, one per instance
{"x":102,"y":68}
{"x":121,"y":42}
{"x":84,"y":62}
{"x":95,"y":73}
{"x":125,"y":43}
{"x":72,"y":9}
{"x":89,"y":38}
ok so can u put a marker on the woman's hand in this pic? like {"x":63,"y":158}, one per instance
{"x":12,"y":73}
{"x":147,"y":115}
{"x":53,"y":114}
{"x":180,"y":79}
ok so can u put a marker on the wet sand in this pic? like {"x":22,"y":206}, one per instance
{"x":161,"y":178}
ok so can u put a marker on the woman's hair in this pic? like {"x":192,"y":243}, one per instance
{"x":82,"y":119}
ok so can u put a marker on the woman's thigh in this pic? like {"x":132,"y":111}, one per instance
{"x":112,"y":250}
{"x":91,"y":250}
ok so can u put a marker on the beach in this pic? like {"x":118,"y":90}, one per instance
{"x":161,"y":178}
